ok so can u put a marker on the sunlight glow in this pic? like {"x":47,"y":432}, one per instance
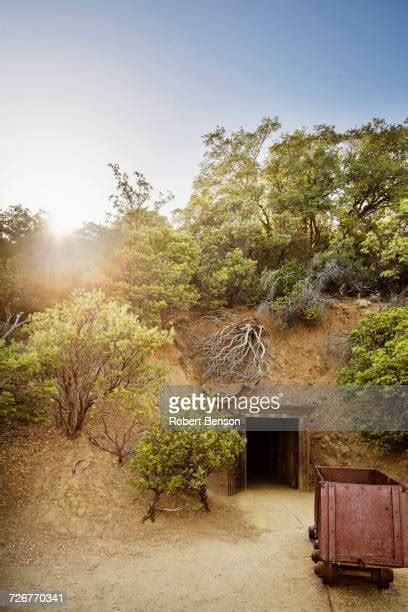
{"x":63,"y":222}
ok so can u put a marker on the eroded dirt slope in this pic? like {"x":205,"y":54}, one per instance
{"x":82,"y":531}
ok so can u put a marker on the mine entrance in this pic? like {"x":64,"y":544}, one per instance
{"x":272,"y":451}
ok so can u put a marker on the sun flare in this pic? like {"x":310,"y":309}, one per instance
{"x":64,"y":222}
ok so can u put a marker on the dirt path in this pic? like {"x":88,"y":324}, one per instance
{"x":270,"y":571}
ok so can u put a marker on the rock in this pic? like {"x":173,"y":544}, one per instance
{"x":362,"y":303}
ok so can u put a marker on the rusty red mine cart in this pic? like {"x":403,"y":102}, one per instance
{"x":359,"y":524}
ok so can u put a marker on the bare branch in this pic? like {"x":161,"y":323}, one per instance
{"x":75,"y":465}
{"x":237,"y":350}
{"x":120,"y":440}
{"x":11,"y":324}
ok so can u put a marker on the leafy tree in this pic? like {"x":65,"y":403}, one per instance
{"x":231,"y":282}
{"x":302,"y":176}
{"x":181,"y":461}
{"x":385,"y":246}
{"x":154,"y":271}
{"x":20,"y":229}
{"x":265,"y":205}
{"x":132,"y":201}
{"x":11,"y":283}
{"x":371,"y":203}
{"x":37,"y":269}
{"x":21,"y":397}
{"x":374,"y":168}
{"x":89,"y":349}
{"x":313,"y":192}
{"x":17,"y":223}
{"x":226,"y":207}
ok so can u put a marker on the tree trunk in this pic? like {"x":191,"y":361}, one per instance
{"x":72,"y":411}
{"x":151,"y":513}
{"x":202,"y":492}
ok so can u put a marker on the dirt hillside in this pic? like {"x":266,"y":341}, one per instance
{"x":308,"y":353}
{"x":47,"y":506}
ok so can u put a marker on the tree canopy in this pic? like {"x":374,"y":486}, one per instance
{"x":90,"y":348}
{"x":279,"y":219}
{"x":181,"y":461}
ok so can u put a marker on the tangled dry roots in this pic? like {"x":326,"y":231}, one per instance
{"x":236,"y":351}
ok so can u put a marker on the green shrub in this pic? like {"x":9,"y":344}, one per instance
{"x":299,"y":294}
{"x":93,"y":350}
{"x":232,"y":282}
{"x":380,"y":357}
{"x":303,"y":303}
{"x":154,"y":271}
{"x":181,"y":461}
{"x":379,"y":350}
{"x":21,"y":397}
{"x":282,"y":281}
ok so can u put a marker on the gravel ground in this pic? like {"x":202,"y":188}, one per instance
{"x":271,"y":570}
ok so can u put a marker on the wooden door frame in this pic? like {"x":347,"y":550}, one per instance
{"x":303,"y":459}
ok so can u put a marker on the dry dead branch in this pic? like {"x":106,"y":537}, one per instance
{"x":11,"y":324}
{"x":237,"y":350}
{"x":75,"y":465}
{"x":120,"y":439}
{"x":296,"y":299}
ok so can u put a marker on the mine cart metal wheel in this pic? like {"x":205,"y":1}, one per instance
{"x":382,"y":577}
{"x":315,"y":556}
{"x":319,"y":569}
{"x":312,"y":533}
{"x":327,"y":571}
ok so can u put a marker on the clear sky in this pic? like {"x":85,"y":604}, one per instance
{"x":138,"y":82}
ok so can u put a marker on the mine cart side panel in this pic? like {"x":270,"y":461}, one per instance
{"x":361,"y":524}
{"x":368,"y":520}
